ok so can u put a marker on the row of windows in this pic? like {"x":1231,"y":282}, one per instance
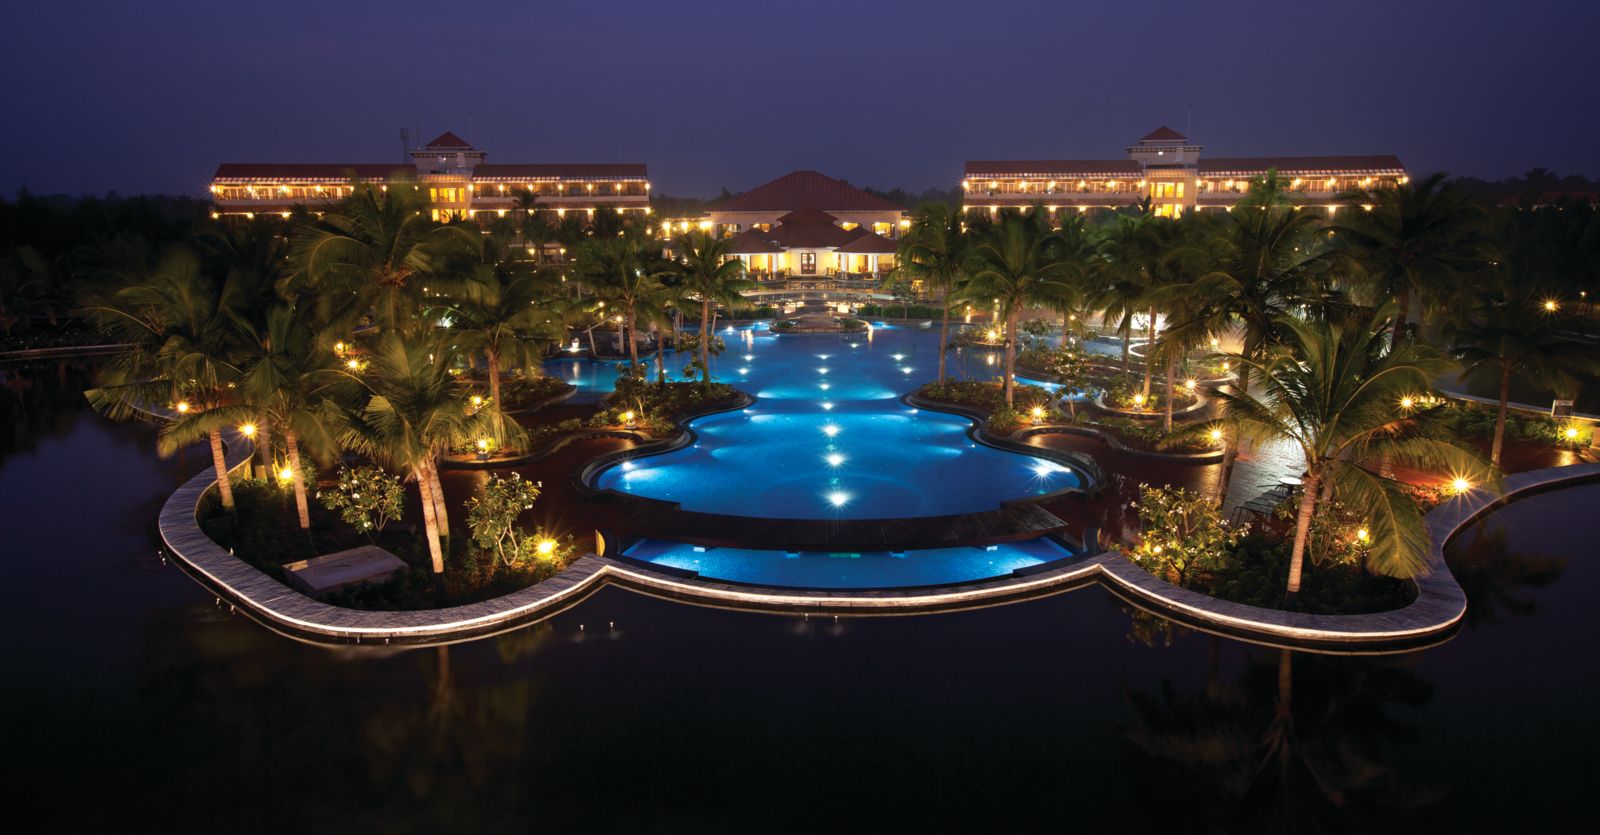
{"x":301,"y":192}
{"x":1131,"y":186}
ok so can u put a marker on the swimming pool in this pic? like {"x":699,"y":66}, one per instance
{"x":829,"y":437}
{"x":593,"y":378}
{"x":849,"y":570}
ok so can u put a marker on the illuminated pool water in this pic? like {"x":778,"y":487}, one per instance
{"x":593,"y":378}
{"x":850,"y":570}
{"x":829,"y":437}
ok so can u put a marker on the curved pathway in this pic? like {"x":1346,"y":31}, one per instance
{"x":1432,"y":617}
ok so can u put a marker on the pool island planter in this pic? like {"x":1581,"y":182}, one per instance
{"x":1432,"y":617}
{"x":1014,"y":444}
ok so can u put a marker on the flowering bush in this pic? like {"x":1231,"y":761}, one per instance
{"x":1181,"y":533}
{"x":366,"y":498}
{"x":493,"y":517}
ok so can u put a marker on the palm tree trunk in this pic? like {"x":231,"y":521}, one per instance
{"x":1011,"y":354}
{"x":1402,"y":307}
{"x":661,"y":363}
{"x":299,"y":480}
{"x":429,"y":523}
{"x":705,"y":341}
{"x":1302,"y":532}
{"x":264,"y":445}
{"x":1167,"y":421}
{"x":1127,"y":339}
{"x":1230,"y":456}
{"x":590,"y":333}
{"x":440,"y":508}
{"x":944,"y":336}
{"x":493,"y":358}
{"x":1149,"y":352}
{"x":1500,"y":415}
{"x":633,"y":341}
{"x":224,"y":484}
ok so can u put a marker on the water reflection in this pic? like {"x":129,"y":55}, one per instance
{"x":1294,"y":743}
{"x":1496,"y":577}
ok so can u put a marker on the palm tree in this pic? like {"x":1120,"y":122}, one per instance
{"x":1334,"y":391}
{"x":286,"y":385}
{"x":711,"y":274}
{"x":1016,"y":260}
{"x":414,"y":411}
{"x":1516,"y":330}
{"x":935,"y":250}
{"x":1269,"y":262}
{"x":251,"y":259}
{"x":624,"y":270}
{"x":184,"y":352}
{"x":509,"y":313}
{"x":1415,"y":242}
{"x":373,"y":254}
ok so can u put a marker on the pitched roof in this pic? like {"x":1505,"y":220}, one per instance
{"x":579,"y":170}
{"x":752,"y":242}
{"x":448,"y":140}
{"x":1163,"y":134}
{"x":1051,"y":167}
{"x":870,"y":243}
{"x":309,"y":170}
{"x":799,"y":189}
{"x":810,"y":235}
{"x":806,"y":214}
{"x":1371,"y":163}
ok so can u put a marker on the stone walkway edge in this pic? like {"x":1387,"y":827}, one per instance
{"x":1432,"y":617}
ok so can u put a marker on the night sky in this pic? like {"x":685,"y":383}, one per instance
{"x":150,"y":96}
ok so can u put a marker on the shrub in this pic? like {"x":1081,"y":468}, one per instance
{"x":1181,"y":532}
{"x":366,"y":498}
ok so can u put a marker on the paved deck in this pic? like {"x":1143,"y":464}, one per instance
{"x":1011,"y":523}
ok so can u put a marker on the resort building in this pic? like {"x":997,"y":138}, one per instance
{"x":1170,"y":171}
{"x":811,"y":242}
{"x":458,"y":181}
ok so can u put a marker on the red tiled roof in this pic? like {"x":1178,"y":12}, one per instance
{"x":870,"y":243}
{"x":1297,"y":165}
{"x":806,"y":214}
{"x":799,"y":189}
{"x":448,"y":140}
{"x":309,"y":170}
{"x":1163,"y":134}
{"x":752,"y":242}
{"x":579,"y":170}
{"x":1052,"y":167}
{"x":809,"y":235}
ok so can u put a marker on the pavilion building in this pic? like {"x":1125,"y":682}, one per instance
{"x":811,"y":242}
{"x":1170,"y":171}
{"x":456,"y":177}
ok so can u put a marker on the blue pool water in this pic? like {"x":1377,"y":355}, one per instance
{"x":865,"y":570}
{"x":829,"y":438}
{"x":593,"y":378}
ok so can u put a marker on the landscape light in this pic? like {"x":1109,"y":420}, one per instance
{"x":285,"y":474}
{"x":1551,"y":305}
{"x":1461,"y":485}
{"x":1038,"y":413}
{"x":248,"y":430}
{"x":1408,"y":402}
{"x":1216,"y":436}
{"x":1571,"y":432}
{"x":353,"y":364}
{"x":1363,"y":535}
{"x":546,"y":547}
{"x":476,"y":400}
{"x":183,"y":407}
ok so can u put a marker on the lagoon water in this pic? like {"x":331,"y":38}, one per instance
{"x":132,"y":701}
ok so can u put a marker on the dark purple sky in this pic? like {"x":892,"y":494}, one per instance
{"x":150,"y":96}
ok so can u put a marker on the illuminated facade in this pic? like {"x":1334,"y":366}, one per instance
{"x":1170,"y":171}
{"x":454,"y":175}
{"x":811,"y":242}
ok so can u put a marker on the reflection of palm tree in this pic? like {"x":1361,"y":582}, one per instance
{"x":1490,"y":574}
{"x":1260,"y":755}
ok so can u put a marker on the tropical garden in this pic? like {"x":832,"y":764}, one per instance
{"x":364,"y":351}
{"x":369,"y":350}
{"x":1326,"y":333}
